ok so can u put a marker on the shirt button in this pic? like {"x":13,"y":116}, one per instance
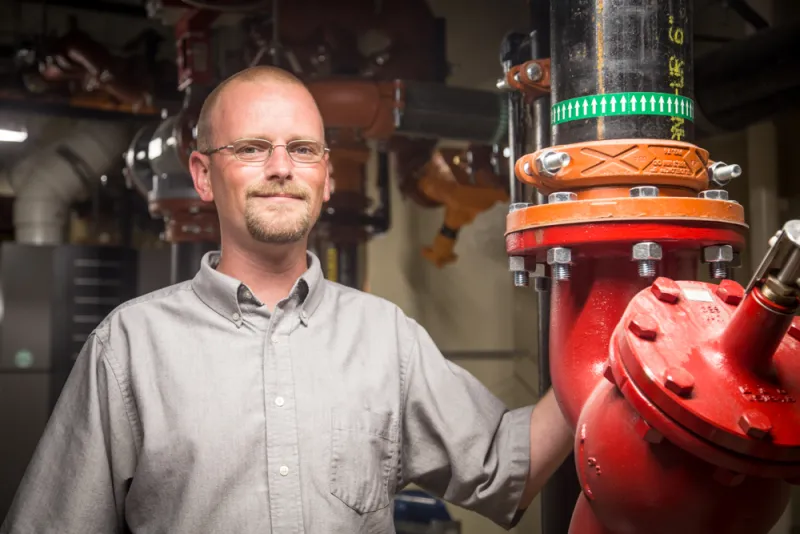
{"x":236,"y":316}
{"x":284,"y":470}
{"x":274,"y":339}
{"x":279,"y":401}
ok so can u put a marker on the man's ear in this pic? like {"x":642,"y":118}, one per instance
{"x":326,"y":194}
{"x":200,"y":168}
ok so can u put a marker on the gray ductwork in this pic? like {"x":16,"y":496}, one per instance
{"x":48,"y":180}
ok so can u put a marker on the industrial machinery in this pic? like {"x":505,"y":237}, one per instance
{"x":682,"y":394}
{"x":379,"y":93}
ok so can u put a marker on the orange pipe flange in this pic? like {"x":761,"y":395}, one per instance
{"x":626,"y":209}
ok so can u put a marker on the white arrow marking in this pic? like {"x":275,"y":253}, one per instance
{"x":623,"y":101}
{"x":558,"y":113}
{"x":683,"y":107}
{"x":652,"y":103}
{"x":613,"y":104}
{"x":603,"y":105}
{"x":644,"y":103}
{"x":585,"y":107}
{"x":661,"y":104}
{"x":594,"y":106}
{"x":570,"y":110}
{"x":633,"y":104}
{"x":669,"y":104}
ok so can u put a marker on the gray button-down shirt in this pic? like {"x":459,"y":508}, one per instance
{"x":196,"y":409}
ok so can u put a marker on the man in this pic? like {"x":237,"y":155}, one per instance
{"x":259,"y":397}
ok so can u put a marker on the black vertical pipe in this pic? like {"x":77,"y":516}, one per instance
{"x":185,"y":259}
{"x":561,"y":492}
{"x":604,"y":47}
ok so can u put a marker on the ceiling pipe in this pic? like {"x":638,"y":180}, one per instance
{"x":48,"y":180}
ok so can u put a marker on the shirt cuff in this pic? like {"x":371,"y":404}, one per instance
{"x":519,"y":459}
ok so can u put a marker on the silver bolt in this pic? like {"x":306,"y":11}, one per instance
{"x":715,"y":194}
{"x":561,"y":272}
{"x":534,"y":72}
{"x":551,"y":162}
{"x":558,"y":197}
{"x":560,"y":259}
{"x":722,"y":173}
{"x":719,"y":258}
{"x":723,"y":253}
{"x":517,"y":206}
{"x":502,"y":84}
{"x":718,"y":270}
{"x":646,"y":254}
{"x":644,"y":191}
{"x":516,"y":264}
{"x":647,"y":268}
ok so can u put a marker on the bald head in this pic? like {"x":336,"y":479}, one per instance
{"x":263,"y":74}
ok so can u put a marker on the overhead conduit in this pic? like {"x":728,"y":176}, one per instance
{"x":47,"y":181}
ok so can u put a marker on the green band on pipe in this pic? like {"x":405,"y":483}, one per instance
{"x":623,"y":104}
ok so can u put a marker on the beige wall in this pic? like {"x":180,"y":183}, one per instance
{"x":469,"y":305}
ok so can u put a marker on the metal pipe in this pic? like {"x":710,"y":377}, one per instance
{"x":562,"y":489}
{"x":515,"y":187}
{"x":633,"y":46}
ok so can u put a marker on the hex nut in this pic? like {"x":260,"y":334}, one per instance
{"x":647,"y":432}
{"x":666,"y":290}
{"x":679,"y":381}
{"x":644,"y":191}
{"x":559,"y":256}
{"x":755,"y":424}
{"x":608,"y":373}
{"x":717,"y":253}
{"x":561,"y":196}
{"x":644,"y":326}
{"x":794,"y":329}
{"x":647,"y":251}
{"x":516,"y":263}
{"x":730,"y":291}
{"x":715,"y":194}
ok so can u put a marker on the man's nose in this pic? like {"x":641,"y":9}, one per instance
{"x":279,"y":164}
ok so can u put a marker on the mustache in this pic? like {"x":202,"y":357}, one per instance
{"x":285,"y":190}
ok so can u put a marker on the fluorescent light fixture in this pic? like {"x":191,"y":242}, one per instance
{"x":13,"y":136}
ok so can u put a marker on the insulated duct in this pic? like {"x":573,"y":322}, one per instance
{"x":48,"y":180}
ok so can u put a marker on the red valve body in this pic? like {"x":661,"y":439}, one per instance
{"x":682,"y":426}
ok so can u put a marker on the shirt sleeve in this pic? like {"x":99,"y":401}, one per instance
{"x":78,"y":476}
{"x":459,"y":441}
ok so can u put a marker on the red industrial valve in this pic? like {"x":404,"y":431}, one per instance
{"x":682,"y":394}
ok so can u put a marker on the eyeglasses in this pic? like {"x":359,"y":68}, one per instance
{"x":260,"y":150}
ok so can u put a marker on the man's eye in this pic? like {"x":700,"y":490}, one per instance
{"x":251,"y":149}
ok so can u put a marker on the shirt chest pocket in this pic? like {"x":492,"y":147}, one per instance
{"x":364,"y":448}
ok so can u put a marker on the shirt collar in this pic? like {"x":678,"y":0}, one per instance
{"x":221,"y":292}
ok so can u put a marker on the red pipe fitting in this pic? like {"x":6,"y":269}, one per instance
{"x":682,"y":394}
{"x":698,"y":423}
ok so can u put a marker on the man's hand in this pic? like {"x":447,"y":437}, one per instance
{"x":551,"y":443}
